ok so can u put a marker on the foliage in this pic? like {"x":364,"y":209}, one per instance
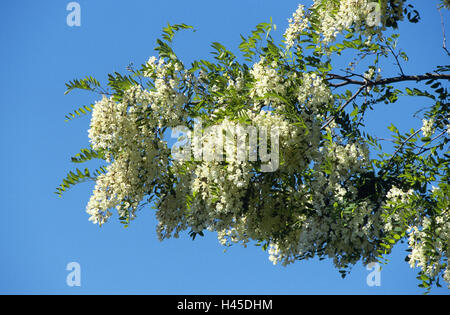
{"x":334,"y":192}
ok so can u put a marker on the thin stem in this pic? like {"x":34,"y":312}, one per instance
{"x":423,"y":149}
{"x":345,"y":105}
{"x":396,"y":60}
{"x":398,"y":150}
{"x":417,"y":78}
{"x":444,"y":40}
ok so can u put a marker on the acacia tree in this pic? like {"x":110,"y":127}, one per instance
{"x":334,"y":191}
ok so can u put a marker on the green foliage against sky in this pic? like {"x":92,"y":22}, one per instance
{"x":334,"y":191}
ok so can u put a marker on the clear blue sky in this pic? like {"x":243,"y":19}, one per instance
{"x":41,"y":233}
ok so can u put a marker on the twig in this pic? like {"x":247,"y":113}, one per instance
{"x":417,"y":78}
{"x":344,"y":105}
{"x":396,"y":60}
{"x":444,"y":40}
{"x":423,"y":149}
{"x":398,"y":150}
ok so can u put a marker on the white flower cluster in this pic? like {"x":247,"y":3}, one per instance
{"x":331,"y":18}
{"x":274,"y":253}
{"x":446,"y":4}
{"x":398,"y":196}
{"x":427,"y":253}
{"x":166,"y":101}
{"x":427,"y":127}
{"x":313,"y":92}
{"x":369,"y":74}
{"x":266,"y":80}
{"x":217,"y":192}
{"x":429,"y":240}
{"x":397,"y":203}
{"x":338,"y":16}
{"x":297,"y":24}
{"x":135,"y":152}
{"x":446,"y":275}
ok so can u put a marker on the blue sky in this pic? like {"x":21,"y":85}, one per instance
{"x":41,"y":233}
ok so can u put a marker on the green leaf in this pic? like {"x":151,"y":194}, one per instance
{"x":77,"y":177}
{"x":89,"y":83}
{"x":87,"y":155}
{"x":82,"y":111}
{"x":170,"y":30}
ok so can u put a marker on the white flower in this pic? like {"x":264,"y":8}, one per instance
{"x":266,"y":80}
{"x":297,"y":24}
{"x":427,"y":127}
{"x":369,"y":74}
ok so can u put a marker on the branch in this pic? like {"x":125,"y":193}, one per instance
{"x":345,"y":105}
{"x":398,"y":150}
{"x":403,"y":78}
{"x":423,"y":149}
{"x":396,"y":60}
{"x":444,"y":40}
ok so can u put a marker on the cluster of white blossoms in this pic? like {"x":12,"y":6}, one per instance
{"x":313,"y":92}
{"x":308,"y":229}
{"x":297,"y":24}
{"x":267,"y":80}
{"x":135,"y":152}
{"x":216,"y":193}
{"x":105,"y":117}
{"x":397,"y":196}
{"x":427,"y":127}
{"x":396,"y":204}
{"x":446,"y":4}
{"x":166,"y":100}
{"x":369,"y":74}
{"x":429,"y":240}
{"x":274,"y":253}
{"x":336,"y":17}
{"x":330,"y":18}
{"x":428,"y":252}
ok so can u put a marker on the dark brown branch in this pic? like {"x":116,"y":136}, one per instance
{"x":403,"y":78}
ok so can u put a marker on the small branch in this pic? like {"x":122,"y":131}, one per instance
{"x":344,"y":105}
{"x":444,"y":40}
{"x":398,"y":150}
{"x":347,"y":80}
{"x":351,"y":74}
{"x":417,"y":78}
{"x":423,"y":149}
{"x":396,"y":60}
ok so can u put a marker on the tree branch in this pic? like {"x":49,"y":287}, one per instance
{"x":397,"y":151}
{"x":444,"y":40}
{"x":344,"y":105}
{"x":396,"y":60}
{"x":403,"y":78}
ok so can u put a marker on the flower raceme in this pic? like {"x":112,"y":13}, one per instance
{"x":228,"y":139}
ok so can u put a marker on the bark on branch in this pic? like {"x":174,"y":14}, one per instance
{"x":347,"y":80}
